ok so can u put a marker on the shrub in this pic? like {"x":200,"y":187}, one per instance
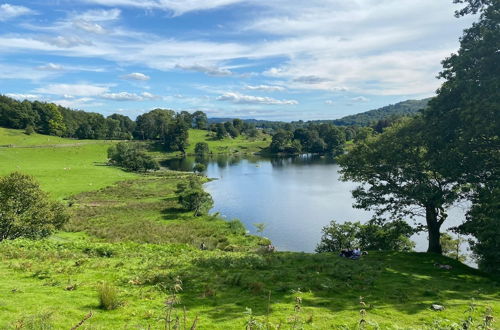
{"x":29,"y":130}
{"x":199,"y":167}
{"x":108,"y":296}
{"x":374,"y":235}
{"x":27,"y":211}
{"x":131,"y":156}
{"x":201,"y":148}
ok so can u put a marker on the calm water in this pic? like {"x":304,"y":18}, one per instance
{"x":295,"y":197}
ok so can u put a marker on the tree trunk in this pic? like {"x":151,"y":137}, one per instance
{"x":433,"y":226}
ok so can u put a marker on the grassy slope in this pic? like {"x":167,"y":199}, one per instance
{"x":59,"y":278}
{"x":135,"y":215}
{"x":16,"y":137}
{"x":241,"y":144}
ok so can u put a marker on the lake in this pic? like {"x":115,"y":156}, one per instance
{"x":294,"y":196}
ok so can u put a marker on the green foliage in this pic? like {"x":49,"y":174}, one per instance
{"x":451,"y":247}
{"x":201,"y":148}
{"x":131,"y":156}
{"x":108,"y":297}
{"x":462,"y":126}
{"x":27,"y":211}
{"x":196,"y":200}
{"x":397,"y":177}
{"x":29,"y":130}
{"x":199,"y":168}
{"x":373,"y":236}
{"x":401,"y":109}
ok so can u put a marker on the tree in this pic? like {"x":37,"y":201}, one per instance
{"x":220,"y":131}
{"x":201,"y":148}
{"x":131,"y":156}
{"x":463,"y":125}
{"x":29,"y":130}
{"x":199,"y":168}
{"x":27,"y":211}
{"x":260,"y":227}
{"x":451,"y":247}
{"x":200,"y":120}
{"x":398,"y":178}
{"x":374,"y":235}
{"x":339,"y":236}
{"x":193,"y":198}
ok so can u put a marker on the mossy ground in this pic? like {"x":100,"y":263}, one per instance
{"x":128,"y":230}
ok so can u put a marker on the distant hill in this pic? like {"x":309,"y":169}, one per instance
{"x":405,"y":108}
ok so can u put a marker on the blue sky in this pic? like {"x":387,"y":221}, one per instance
{"x":275,"y":59}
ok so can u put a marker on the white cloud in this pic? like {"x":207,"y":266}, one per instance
{"x":310,"y":80}
{"x":360,"y":99}
{"x":8,"y":11}
{"x":23,"y":97}
{"x":266,"y":88}
{"x":250,"y":99}
{"x":74,"y":90}
{"x":50,"y":67}
{"x":67,"y":41}
{"x":178,"y":7}
{"x":89,"y":26}
{"x":329,"y":102}
{"x":99,"y":15}
{"x":126,"y":96}
{"x":209,"y":70}
{"x":136,"y":76}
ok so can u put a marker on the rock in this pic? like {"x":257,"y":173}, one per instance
{"x":436,"y":307}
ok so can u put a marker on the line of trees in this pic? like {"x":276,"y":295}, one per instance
{"x":451,"y":152}
{"x":315,"y":138}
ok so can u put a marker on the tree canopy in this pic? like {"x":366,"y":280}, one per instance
{"x":27,"y":211}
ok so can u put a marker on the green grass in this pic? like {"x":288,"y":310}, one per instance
{"x":17,"y":138}
{"x":61,"y":278}
{"x":64,"y":171}
{"x":239,"y":145}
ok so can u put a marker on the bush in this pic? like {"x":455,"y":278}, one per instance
{"x":27,"y":211}
{"x":108,"y":296}
{"x":131,"y":156}
{"x":29,"y":130}
{"x":199,"y":167}
{"x":374,"y":235}
{"x":193,"y":198}
{"x":201,"y":148}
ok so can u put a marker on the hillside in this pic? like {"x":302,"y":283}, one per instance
{"x":405,"y":108}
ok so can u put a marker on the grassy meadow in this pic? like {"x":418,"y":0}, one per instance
{"x":128,"y":234}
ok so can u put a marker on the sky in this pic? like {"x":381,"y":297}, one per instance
{"x":275,"y":59}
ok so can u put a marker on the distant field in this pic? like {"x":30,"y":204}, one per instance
{"x":64,"y":170}
{"x":241,"y":144}
{"x":16,"y":137}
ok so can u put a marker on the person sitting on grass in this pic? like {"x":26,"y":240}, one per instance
{"x":356,"y":254}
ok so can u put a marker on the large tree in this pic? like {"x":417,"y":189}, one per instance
{"x":463,"y":126}
{"x":27,"y":211}
{"x":397,"y":178}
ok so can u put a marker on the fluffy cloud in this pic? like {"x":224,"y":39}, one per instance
{"x":125,"y":96}
{"x":89,"y":26}
{"x":8,"y":11}
{"x":67,"y":41}
{"x":50,"y":67}
{"x":250,"y":99}
{"x":136,"y":76}
{"x":175,"y":6}
{"x":21,"y":97}
{"x":209,"y":70}
{"x":266,"y":88}
{"x":74,"y":90}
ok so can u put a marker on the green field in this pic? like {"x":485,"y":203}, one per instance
{"x":240,"y":144}
{"x":128,"y":230}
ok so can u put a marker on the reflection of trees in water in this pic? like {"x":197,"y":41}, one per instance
{"x":223,"y":161}
{"x":302,"y":160}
